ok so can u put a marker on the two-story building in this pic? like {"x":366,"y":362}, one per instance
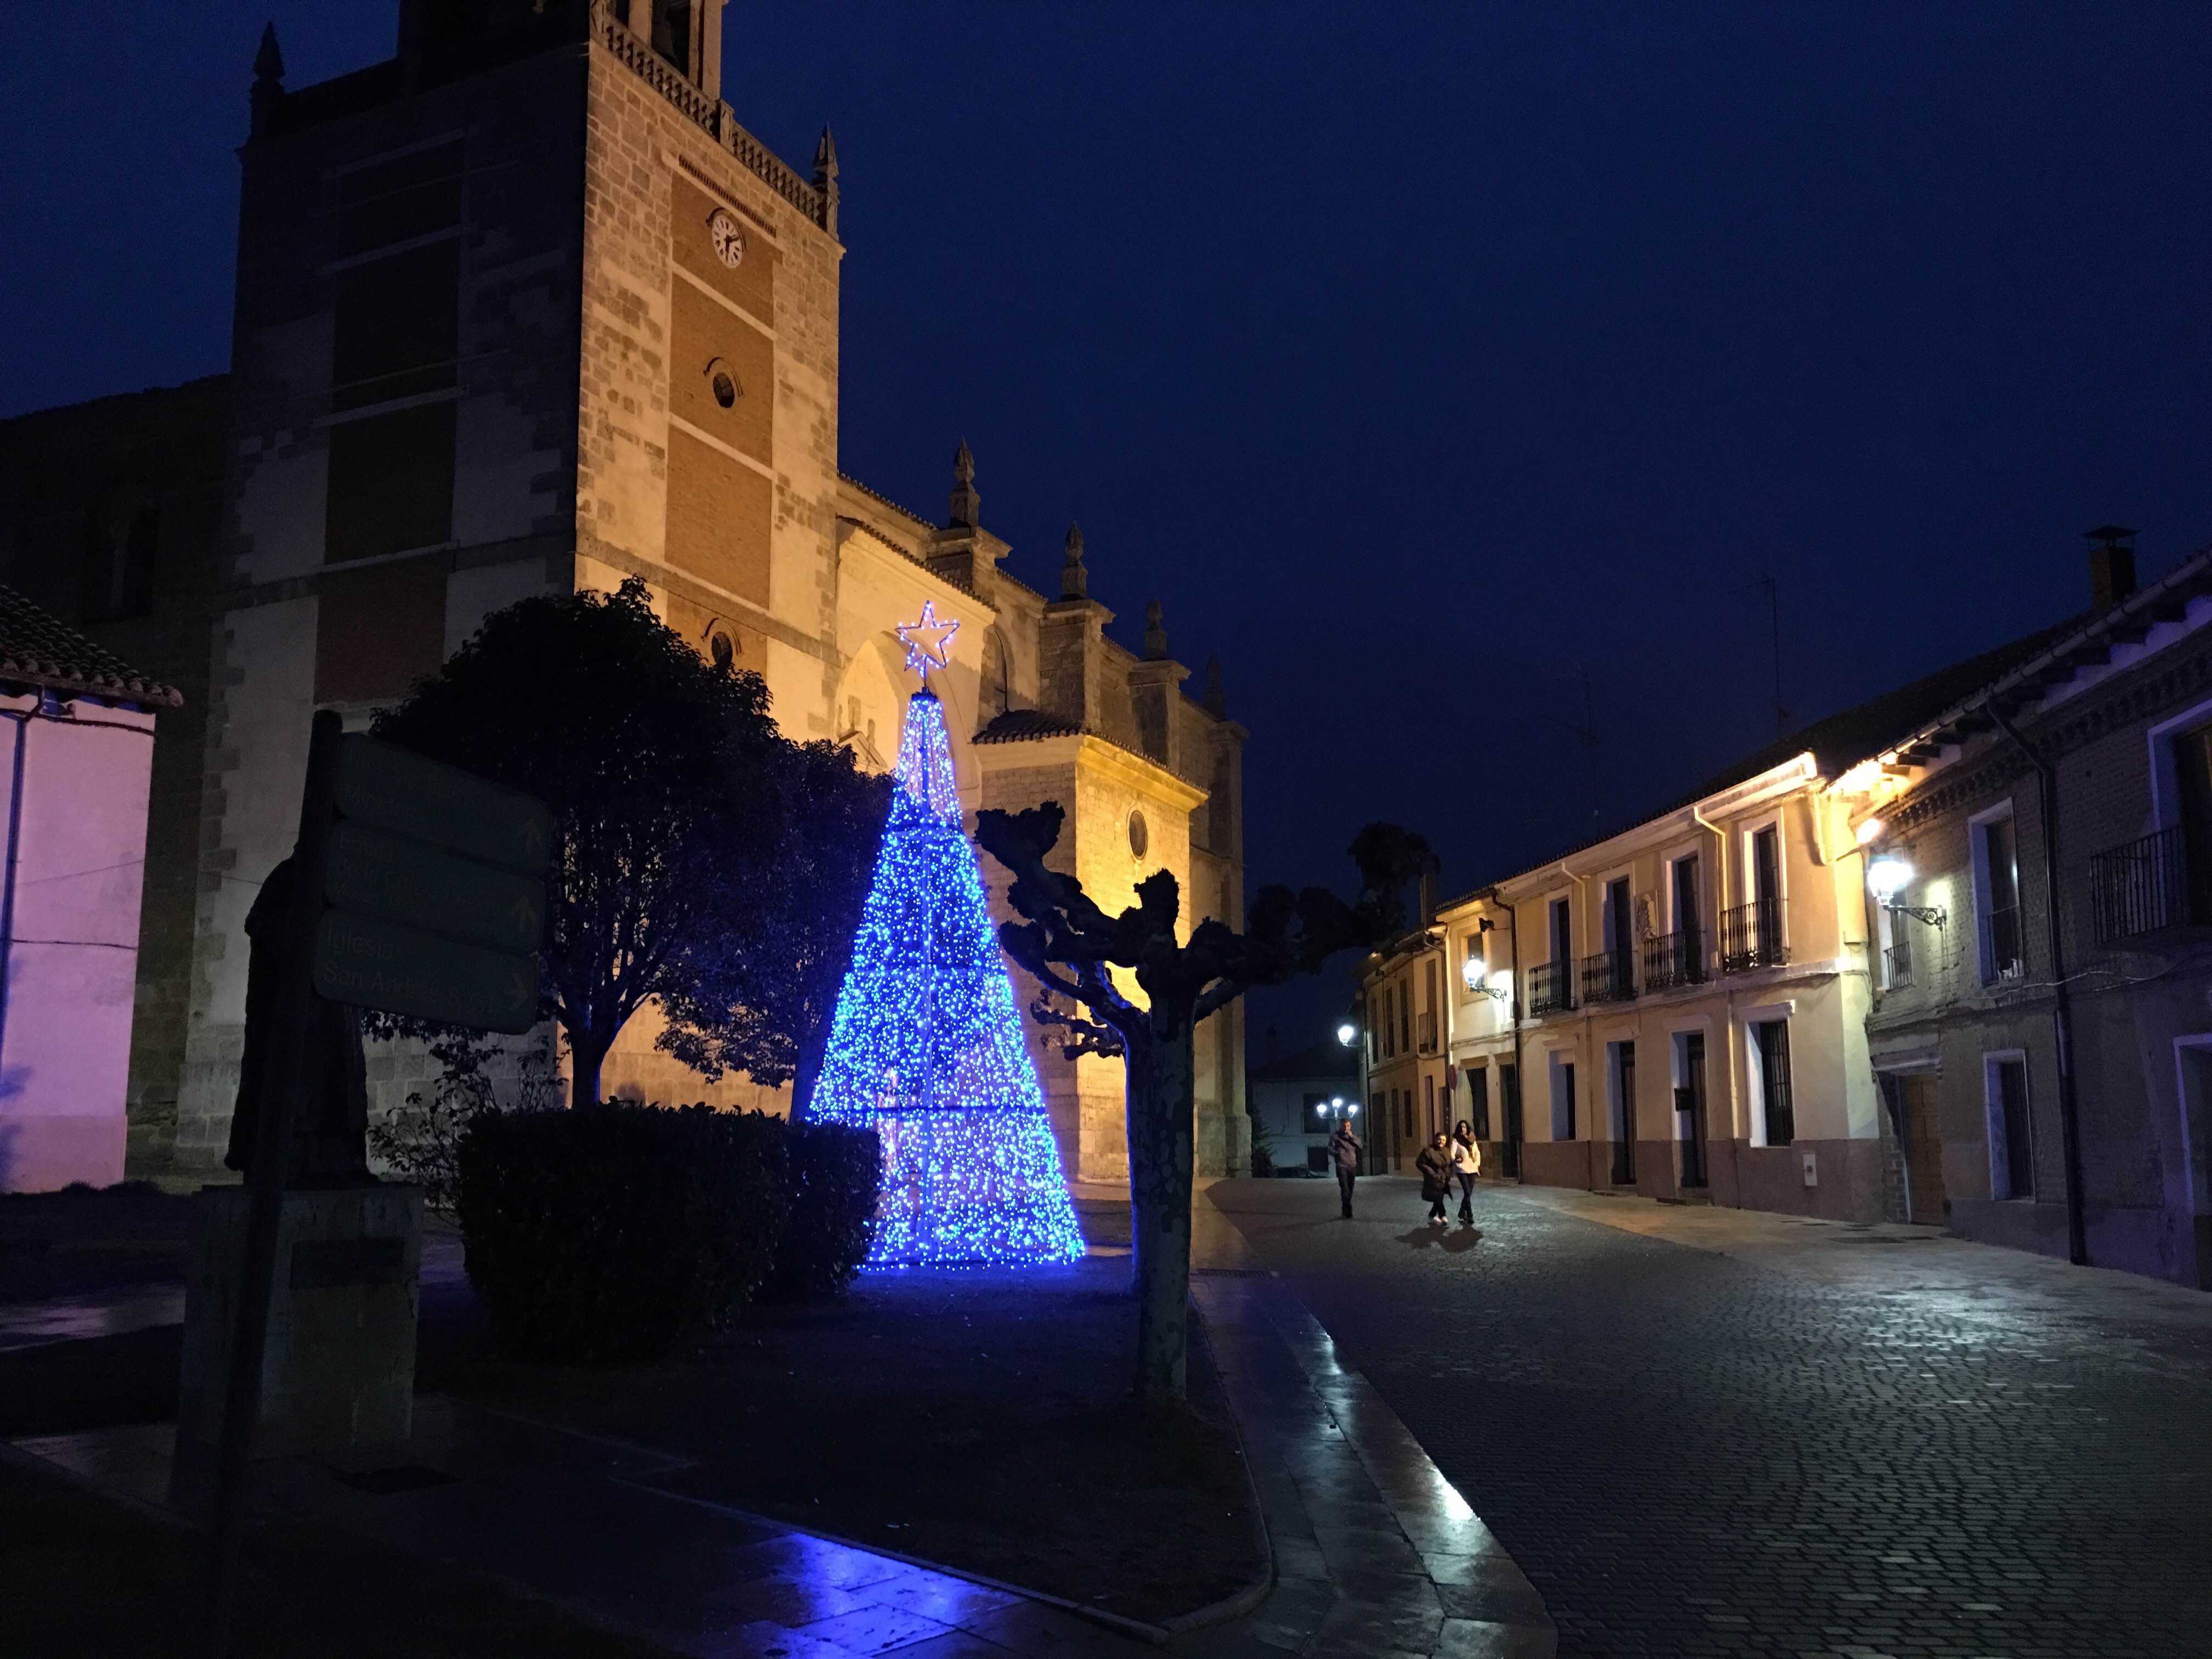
{"x":2042,"y":894}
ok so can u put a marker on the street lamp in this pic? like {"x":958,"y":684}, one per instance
{"x":1337,"y":1109}
{"x":1479,"y":984}
{"x":1889,"y":874}
{"x":1347,"y":1034}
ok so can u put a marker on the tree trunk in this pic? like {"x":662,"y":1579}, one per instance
{"x":586,"y":1056}
{"x":806,"y":1071}
{"x":1160,"y":1161}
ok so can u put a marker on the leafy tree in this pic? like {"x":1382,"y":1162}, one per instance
{"x":1069,"y":946}
{"x":651,"y":759}
{"x":762,"y":993}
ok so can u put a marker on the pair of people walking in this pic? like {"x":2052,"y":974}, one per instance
{"x":1445,"y":1161}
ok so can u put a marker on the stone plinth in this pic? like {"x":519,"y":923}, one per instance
{"x":339,"y":1368}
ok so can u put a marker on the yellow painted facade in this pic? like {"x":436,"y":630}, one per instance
{"x":1679,"y":1010}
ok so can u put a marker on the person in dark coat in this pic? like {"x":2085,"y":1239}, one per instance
{"x":1434,"y":1166}
{"x":1344,"y":1156}
{"x":330,"y":1126}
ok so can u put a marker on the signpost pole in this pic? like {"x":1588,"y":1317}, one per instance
{"x":280,"y":1083}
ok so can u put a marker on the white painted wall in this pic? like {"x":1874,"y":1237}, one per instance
{"x":74,"y":780}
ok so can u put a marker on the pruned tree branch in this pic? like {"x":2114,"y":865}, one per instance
{"x":1089,"y":1036}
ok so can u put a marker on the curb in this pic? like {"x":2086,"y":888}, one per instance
{"x":31,"y":1463}
{"x":1238,"y":1602}
{"x":1156,"y":1635}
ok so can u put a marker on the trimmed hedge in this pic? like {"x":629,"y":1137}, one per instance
{"x":614,"y":1232}
{"x":835,"y":1179}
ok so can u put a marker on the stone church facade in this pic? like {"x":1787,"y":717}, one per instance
{"x":523,"y":310}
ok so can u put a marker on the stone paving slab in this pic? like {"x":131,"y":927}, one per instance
{"x":1376,"y":1554}
{"x":577,"y":1519}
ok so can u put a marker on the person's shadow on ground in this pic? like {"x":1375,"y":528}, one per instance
{"x":1452,"y":1239}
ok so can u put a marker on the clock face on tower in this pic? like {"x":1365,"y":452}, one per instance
{"x":729,"y":240}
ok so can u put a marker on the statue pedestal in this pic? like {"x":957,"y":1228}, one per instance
{"x":339,"y":1368}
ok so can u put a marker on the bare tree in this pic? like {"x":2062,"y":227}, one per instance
{"x":1071,"y":946}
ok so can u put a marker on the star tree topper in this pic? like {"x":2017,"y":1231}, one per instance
{"x":928,"y":642}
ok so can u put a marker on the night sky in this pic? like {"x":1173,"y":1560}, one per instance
{"x":1421,"y":359}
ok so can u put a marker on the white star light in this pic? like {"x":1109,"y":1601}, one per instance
{"x":928,"y":642}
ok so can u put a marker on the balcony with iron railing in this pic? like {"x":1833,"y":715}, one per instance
{"x":1751,"y":937}
{"x":1673,"y":960}
{"x":1550,"y":988}
{"x":2141,"y":887}
{"x":1609,"y":978}
{"x":1896,"y":961}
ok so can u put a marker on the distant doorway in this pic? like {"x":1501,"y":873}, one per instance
{"x":1690,"y":1106}
{"x":1509,"y":1107}
{"x":1624,"y":1114}
{"x":1912,"y":1110}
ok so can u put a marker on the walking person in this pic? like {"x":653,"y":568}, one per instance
{"x":1434,"y":1165}
{"x":1344,"y":1156}
{"x":1467,"y":1163}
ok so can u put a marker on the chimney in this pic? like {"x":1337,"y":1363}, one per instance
{"x":2111,"y":565}
{"x":1428,"y":890}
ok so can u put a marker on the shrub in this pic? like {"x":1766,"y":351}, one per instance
{"x":835,"y":1177}
{"x":615,"y":1232}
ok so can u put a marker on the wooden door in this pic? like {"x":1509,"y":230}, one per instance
{"x":1915,"y":1094}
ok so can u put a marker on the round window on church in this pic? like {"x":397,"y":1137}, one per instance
{"x":723,"y":383}
{"x":1140,"y":838}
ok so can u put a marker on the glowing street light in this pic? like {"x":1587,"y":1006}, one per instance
{"x":1889,"y":874}
{"x":1347,"y":1034}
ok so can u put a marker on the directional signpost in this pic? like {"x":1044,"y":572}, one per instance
{"x":422,"y":894}
{"x":433,"y":877}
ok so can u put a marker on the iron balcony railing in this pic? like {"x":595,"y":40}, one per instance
{"x":1550,"y":988}
{"x":1674,"y":959}
{"x":1751,"y":937}
{"x":2001,"y":944}
{"x":1609,"y":978}
{"x":2140,"y":888}
{"x":1897,"y":965}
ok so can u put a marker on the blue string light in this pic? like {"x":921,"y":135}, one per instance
{"x":925,"y":1045}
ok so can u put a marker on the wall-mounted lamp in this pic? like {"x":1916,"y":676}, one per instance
{"x":1889,"y":874}
{"x":1478,"y":983}
{"x":1348,"y":1033}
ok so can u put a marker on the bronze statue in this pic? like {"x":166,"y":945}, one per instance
{"x":330,"y":1128}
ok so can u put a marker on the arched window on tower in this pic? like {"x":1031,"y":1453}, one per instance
{"x":672,"y":32}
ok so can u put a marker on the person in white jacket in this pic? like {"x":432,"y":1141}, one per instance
{"x":1467,"y":1163}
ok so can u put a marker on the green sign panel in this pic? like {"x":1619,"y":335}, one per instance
{"x":433,"y":876}
{"x":373,"y":965}
{"x":372,"y":872}
{"x":425,"y":800}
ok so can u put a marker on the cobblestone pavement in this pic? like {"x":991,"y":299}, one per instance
{"x":1784,"y":1437}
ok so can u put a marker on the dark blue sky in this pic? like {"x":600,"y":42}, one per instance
{"x":1417,"y":357}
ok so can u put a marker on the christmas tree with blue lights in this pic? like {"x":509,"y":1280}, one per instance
{"x":925,"y":1045}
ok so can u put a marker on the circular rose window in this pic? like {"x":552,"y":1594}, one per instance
{"x":1138,"y":839}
